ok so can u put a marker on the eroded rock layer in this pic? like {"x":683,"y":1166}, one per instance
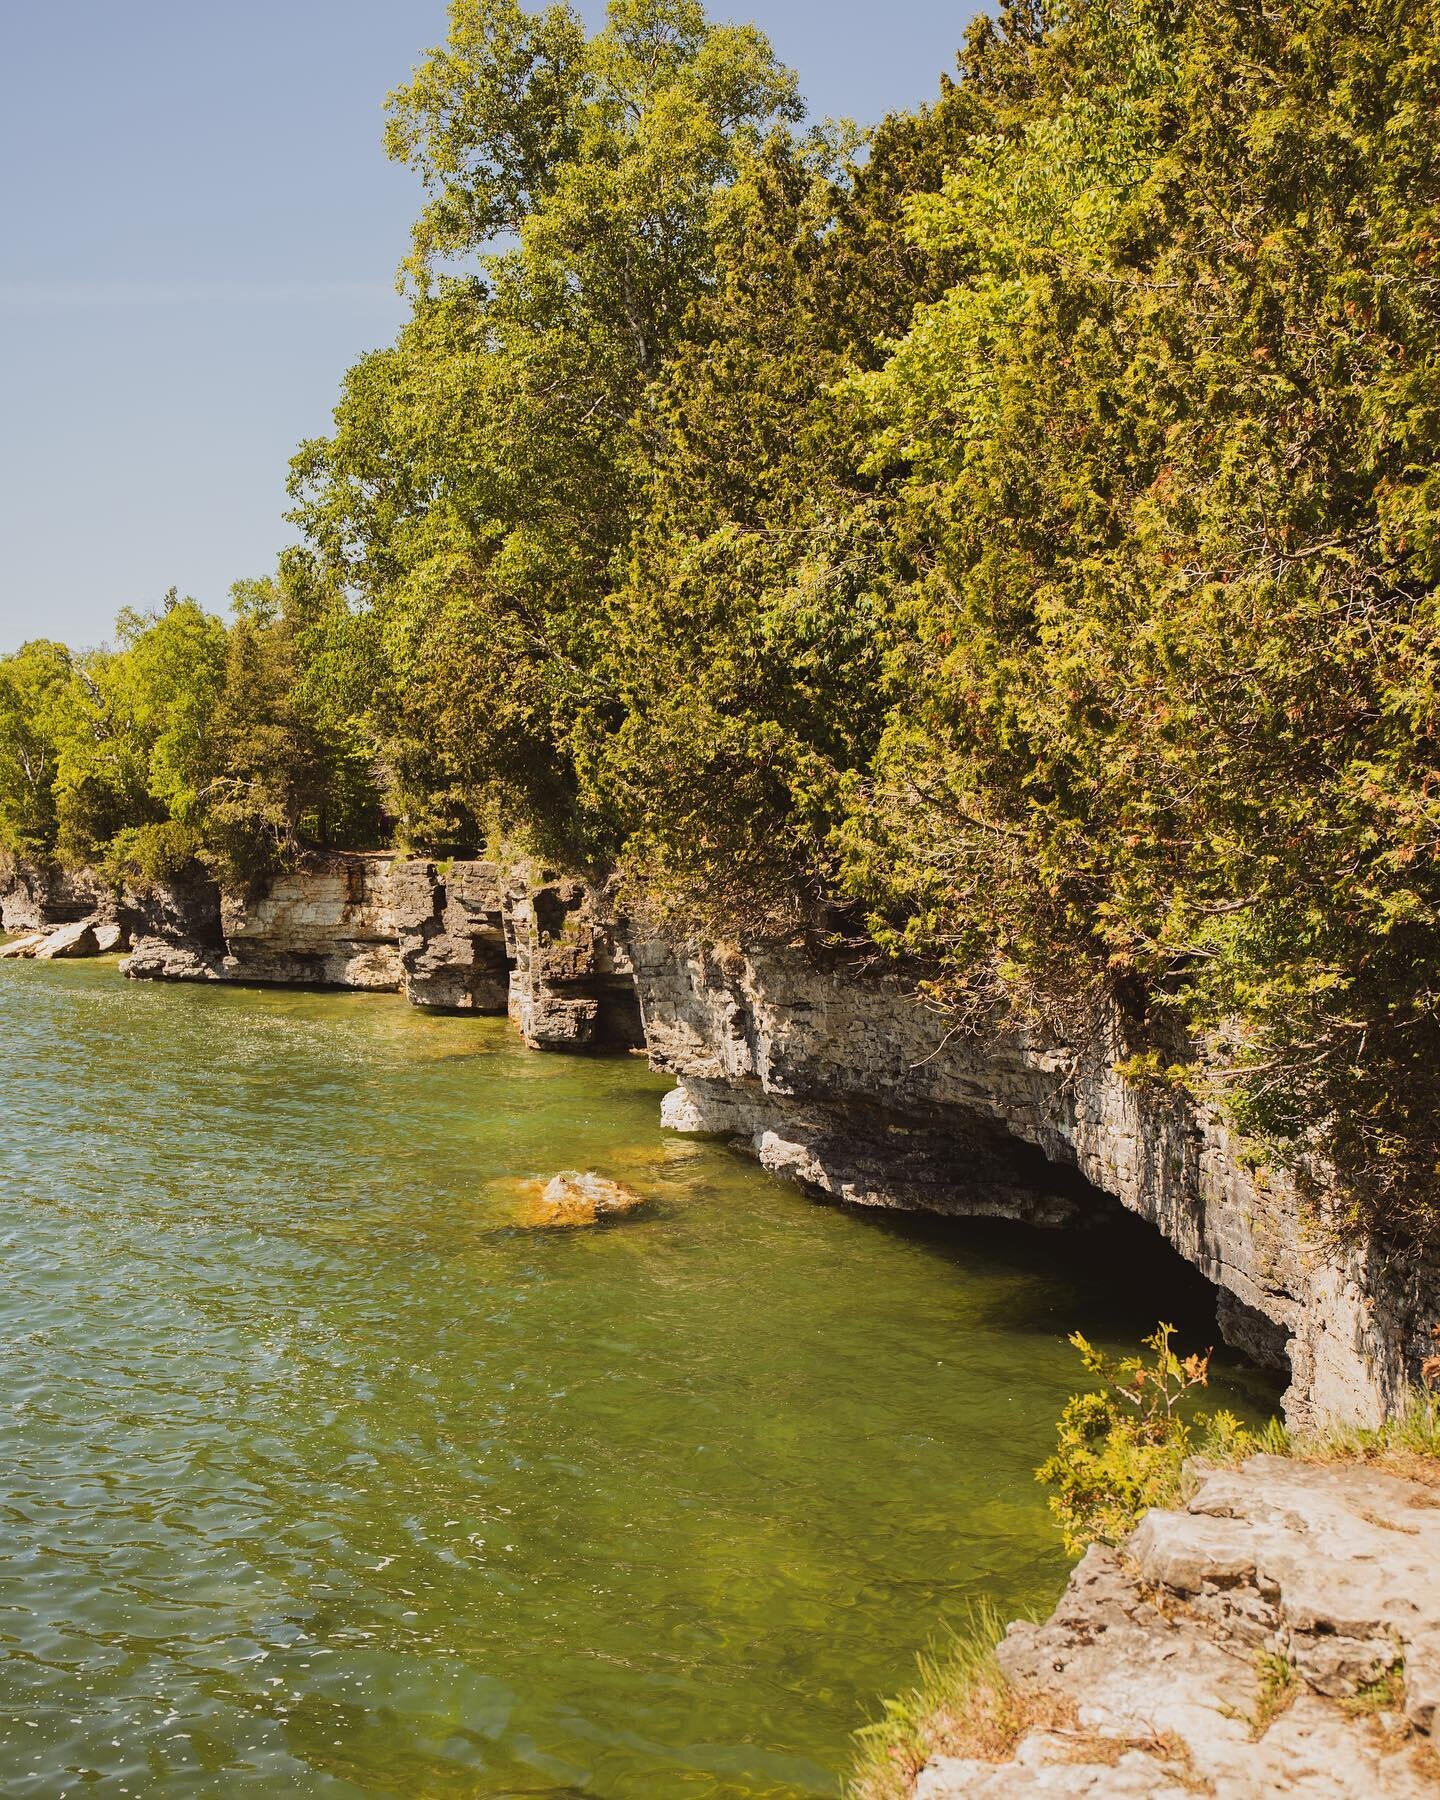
{"x":843,"y":1079}
{"x":832,"y":1074}
{"x":462,"y":936}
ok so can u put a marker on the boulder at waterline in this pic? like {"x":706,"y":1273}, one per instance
{"x":585,"y":1199}
{"x":23,"y":946}
{"x":68,"y":940}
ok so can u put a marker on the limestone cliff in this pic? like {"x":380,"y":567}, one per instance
{"x":464,"y":936}
{"x":35,"y":899}
{"x":831,"y":1073}
{"x":841,"y":1078}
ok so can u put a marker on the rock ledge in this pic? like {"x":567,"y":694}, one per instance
{"x":1278,"y":1635}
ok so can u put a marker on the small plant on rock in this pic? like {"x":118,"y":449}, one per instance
{"x":1276,"y":1687}
{"x":1121,"y":1450}
{"x":1430,"y":1367}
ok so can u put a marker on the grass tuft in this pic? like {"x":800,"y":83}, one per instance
{"x":1386,"y":1694}
{"x":963,"y":1705}
{"x":1407,"y":1443}
{"x":1278,"y":1684}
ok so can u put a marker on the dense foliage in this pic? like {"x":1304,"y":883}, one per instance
{"x":1013,"y":538}
{"x":187,"y":737}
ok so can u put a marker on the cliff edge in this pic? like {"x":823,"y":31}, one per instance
{"x":1277,"y":1635}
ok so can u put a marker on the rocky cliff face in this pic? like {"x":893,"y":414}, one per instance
{"x":450,"y":935}
{"x":458,"y":937}
{"x":845,"y":1081}
{"x":35,"y":899}
{"x":832,"y":1075}
{"x":573,"y":984}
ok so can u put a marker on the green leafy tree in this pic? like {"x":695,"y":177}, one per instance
{"x":482,"y":478}
{"x":746,"y":641}
{"x":1168,"y":448}
{"x":38,"y":699}
{"x":240,"y":746}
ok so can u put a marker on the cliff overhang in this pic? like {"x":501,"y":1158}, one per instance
{"x":830,"y":1073}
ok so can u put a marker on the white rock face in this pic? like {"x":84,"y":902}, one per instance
{"x":843,"y":1079}
{"x":1346,"y":1559}
{"x":330,"y":926}
{"x":68,"y":940}
{"x":460,"y":937}
{"x":1155,"y":1653}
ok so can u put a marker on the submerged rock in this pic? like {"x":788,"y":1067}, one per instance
{"x":576,"y":1199}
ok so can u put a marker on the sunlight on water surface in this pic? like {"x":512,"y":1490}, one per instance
{"x":323,"y":1475}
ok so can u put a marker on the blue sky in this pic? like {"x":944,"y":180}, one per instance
{"x":199,"y":235}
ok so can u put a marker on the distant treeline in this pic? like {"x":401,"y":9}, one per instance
{"x":1014,"y":535}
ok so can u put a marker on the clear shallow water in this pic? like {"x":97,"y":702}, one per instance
{"x":321,"y":1474}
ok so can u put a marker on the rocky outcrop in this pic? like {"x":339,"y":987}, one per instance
{"x":464,"y":936}
{"x":66,"y":941}
{"x":841,"y":1078}
{"x":1278,"y":1635}
{"x":450,"y":925}
{"x":329,"y":926}
{"x":831,"y":1073}
{"x":174,"y":930}
{"x":36,"y":899}
{"x":585,"y":1199}
{"x":574,"y":983}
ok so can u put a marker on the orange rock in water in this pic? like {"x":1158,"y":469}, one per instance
{"x":576,"y":1199}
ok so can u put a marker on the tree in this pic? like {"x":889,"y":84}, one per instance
{"x":37,"y":701}
{"x":747,"y":639}
{"x":1171,"y":727}
{"x":481,"y":484}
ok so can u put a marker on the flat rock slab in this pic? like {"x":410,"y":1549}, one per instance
{"x":1344,"y":1559}
{"x":1162,"y":1657}
{"x":68,"y":940}
{"x":24,"y":946}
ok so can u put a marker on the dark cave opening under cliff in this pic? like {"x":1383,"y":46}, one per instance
{"x":1115,"y":1279}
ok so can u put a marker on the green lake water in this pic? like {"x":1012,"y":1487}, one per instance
{"x":321,"y":1473}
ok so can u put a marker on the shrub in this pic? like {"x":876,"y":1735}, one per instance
{"x":1121,"y":1450}
{"x":150,"y":853}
